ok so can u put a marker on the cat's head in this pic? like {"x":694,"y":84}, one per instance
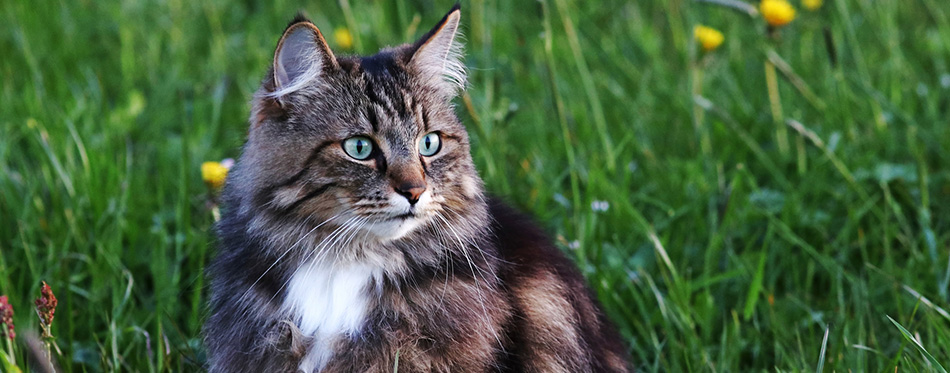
{"x":370,"y":140}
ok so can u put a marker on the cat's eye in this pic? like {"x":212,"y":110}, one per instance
{"x":358,"y":147}
{"x":430,"y":144}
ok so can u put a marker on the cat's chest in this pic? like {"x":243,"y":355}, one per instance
{"x":328,"y":302}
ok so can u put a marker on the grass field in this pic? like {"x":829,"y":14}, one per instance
{"x":731,"y":216}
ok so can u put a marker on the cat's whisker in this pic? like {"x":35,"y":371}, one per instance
{"x":338,"y":249}
{"x":355,"y":232}
{"x":464,"y":221}
{"x":336,"y":231}
{"x":461,"y":245}
{"x":378,"y":280}
{"x":472,"y":267}
{"x":327,"y":247}
{"x":282,"y":255}
{"x":322,"y":251}
{"x":461,"y":220}
{"x":450,"y":264}
{"x":365,"y":232}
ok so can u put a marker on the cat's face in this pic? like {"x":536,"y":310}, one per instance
{"x":368,"y":144}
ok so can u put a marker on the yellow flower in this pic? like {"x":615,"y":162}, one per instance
{"x":812,"y":4}
{"x":708,"y":37}
{"x":777,"y":12}
{"x":214,"y":174}
{"x":343,"y":37}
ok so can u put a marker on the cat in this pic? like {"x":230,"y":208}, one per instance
{"x":356,"y":235}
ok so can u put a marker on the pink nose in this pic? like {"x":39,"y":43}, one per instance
{"x":411,"y":190}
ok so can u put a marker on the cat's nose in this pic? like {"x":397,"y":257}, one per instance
{"x":408,"y":180}
{"x":411,"y":190}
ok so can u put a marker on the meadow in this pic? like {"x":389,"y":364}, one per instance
{"x":779,"y":203}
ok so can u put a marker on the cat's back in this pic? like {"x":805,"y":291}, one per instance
{"x":560,"y":323}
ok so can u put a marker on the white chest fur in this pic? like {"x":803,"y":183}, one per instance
{"x":328,"y":301}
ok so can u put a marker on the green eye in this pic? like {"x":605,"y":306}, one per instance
{"x":358,"y":147}
{"x":430,"y":144}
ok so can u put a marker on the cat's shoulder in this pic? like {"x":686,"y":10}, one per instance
{"x":559,"y":315}
{"x":524,"y":245}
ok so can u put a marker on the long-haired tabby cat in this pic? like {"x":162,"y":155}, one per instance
{"x":357,"y":237}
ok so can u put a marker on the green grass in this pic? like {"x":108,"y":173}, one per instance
{"x":719,"y":251}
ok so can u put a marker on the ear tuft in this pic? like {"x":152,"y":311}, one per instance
{"x":301,"y":58}
{"x":300,"y":17}
{"x":437,"y":58}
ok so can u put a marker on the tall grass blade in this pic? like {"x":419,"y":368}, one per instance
{"x":824,"y":349}
{"x":910,"y":337}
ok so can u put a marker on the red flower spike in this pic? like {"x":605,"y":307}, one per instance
{"x":6,"y":318}
{"x":46,"y":305}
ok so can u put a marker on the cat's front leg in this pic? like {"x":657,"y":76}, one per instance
{"x":253,"y":341}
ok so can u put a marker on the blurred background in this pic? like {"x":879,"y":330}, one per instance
{"x":760,"y":195}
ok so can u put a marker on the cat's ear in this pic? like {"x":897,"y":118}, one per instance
{"x":437,"y":56}
{"x":302,"y":56}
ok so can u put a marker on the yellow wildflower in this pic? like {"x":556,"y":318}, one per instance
{"x":214,"y":174}
{"x":343,"y":37}
{"x":777,"y":12}
{"x":812,"y":4}
{"x":708,"y":37}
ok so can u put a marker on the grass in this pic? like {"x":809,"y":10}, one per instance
{"x":718,"y":250}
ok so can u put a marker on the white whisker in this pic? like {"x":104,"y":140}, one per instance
{"x":325,"y":248}
{"x":472,"y":267}
{"x":282,"y":255}
{"x":312,"y":253}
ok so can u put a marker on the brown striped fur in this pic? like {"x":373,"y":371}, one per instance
{"x":456,"y":282}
